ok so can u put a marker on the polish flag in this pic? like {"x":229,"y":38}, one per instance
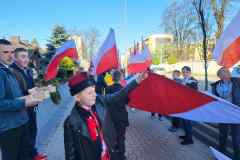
{"x":139,"y":62}
{"x":162,"y":95}
{"x":227,"y":50}
{"x":107,"y":57}
{"x":68,"y":49}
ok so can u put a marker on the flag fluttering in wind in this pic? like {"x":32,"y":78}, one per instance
{"x":107,"y":57}
{"x":227,"y":50}
{"x":139,"y":62}
{"x":162,"y":95}
{"x":68,"y":49}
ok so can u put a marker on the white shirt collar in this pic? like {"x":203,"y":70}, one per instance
{"x":4,"y":64}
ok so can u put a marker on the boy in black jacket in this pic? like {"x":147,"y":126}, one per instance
{"x":86,"y":129}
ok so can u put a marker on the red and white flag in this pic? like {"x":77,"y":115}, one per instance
{"x":107,"y":57}
{"x":139,"y":62}
{"x":68,"y":49}
{"x":162,"y":95}
{"x":227,"y":50}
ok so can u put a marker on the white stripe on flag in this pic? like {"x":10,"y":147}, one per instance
{"x":213,"y":112}
{"x":231,"y":33}
{"x":106,"y":46}
{"x":66,"y":45}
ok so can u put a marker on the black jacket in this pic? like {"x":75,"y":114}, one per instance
{"x":118,"y":112}
{"x":78,"y":144}
{"x":25,"y":79}
{"x":192,"y":83}
{"x":235,"y":90}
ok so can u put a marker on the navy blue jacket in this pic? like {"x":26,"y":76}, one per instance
{"x":235,"y":90}
{"x":12,"y":110}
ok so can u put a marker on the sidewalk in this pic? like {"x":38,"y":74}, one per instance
{"x":147,"y":139}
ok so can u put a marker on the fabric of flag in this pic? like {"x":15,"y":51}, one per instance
{"x":162,"y":95}
{"x":227,"y":49}
{"x":107,"y":57}
{"x":139,"y":62}
{"x":68,"y":49}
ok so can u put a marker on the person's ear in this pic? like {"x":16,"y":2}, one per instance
{"x":77,"y":97}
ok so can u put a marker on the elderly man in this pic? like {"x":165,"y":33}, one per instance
{"x":229,"y":89}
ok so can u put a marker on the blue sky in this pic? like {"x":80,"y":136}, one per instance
{"x":35,"y":19}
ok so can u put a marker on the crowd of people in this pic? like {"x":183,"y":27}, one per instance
{"x":97,"y":125}
{"x":228,"y":88}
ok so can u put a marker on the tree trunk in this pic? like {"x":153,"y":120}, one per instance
{"x":203,"y":26}
{"x":199,"y":6}
{"x":219,"y":14}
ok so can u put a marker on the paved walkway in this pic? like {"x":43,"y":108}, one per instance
{"x":147,"y":139}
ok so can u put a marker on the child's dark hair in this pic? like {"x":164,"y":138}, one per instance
{"x":186,"y":68}
{"x":4,"y":42}
{"x":176,"y":71}
{"x":116,"y":76}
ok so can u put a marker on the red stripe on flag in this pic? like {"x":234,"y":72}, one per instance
{"x":52,"y":68}
{"x":108,"y":61}
{"x":138,"y":67}
{"x":231,"y":54}
{"x":162,"y":95}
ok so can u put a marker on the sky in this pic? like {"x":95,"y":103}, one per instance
{"x":131,"y":19}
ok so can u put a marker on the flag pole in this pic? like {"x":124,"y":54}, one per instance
{"x":142,"y":43}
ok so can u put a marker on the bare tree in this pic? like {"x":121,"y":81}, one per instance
{"x":90,"y":41}
{"x":179,"y":20}
{"x":200,"y":8}
{"x":219,"y":9}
